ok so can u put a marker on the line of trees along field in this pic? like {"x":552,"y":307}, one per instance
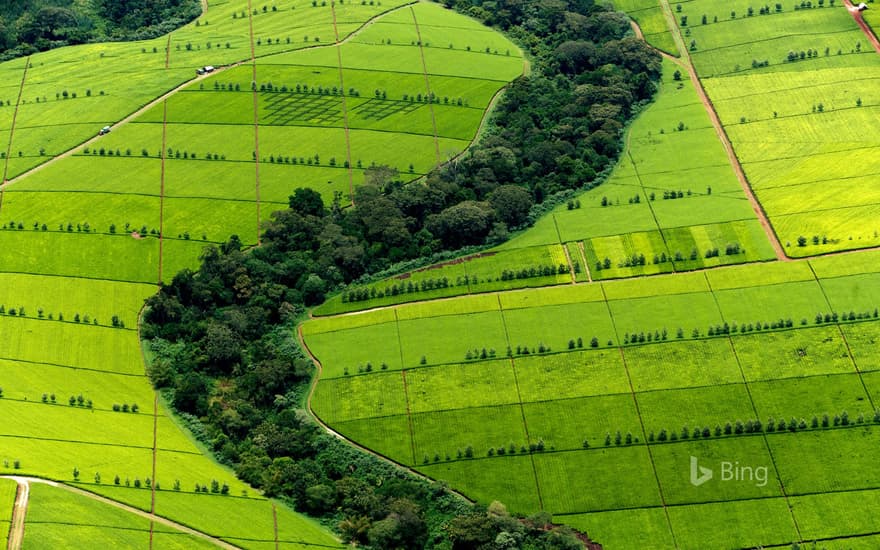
{"x":223,"y":336}
{"x":28,"y":26}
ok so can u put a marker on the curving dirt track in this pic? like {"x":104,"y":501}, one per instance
{"x":21,"y":502}
{"x":869,"y":32}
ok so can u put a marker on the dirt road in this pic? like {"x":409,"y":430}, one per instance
{"x":869,"y":32}
{"x":21,"y":502}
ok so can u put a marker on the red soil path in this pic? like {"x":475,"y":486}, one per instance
{"x":857,"y":15}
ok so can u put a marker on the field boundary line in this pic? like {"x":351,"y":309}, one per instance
{"x":155,"y":446}
{"x":342,"y":94}
{"x":722,"y":134}
{"x":27,"y":63}
{"x":409,"y":420}
{"x":641,"y":420}
{"x":162,"y":185}
{"x":522,"y":409}
{"x":427,"y":84}
{"x":96,"y":443}
{"x":580,"y":244}
{"x":843,"y":337}
{"x":635,"y":168}
{"x":326,"y":427}
{"x":256,"y":97}
{"x":755,"y":410}
{"x":168,"y":51}
{"x":274,"y":517}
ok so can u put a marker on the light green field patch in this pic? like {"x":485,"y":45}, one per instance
{"x":570,"y":375}
{"x":567,"y":424}
{"x":769,"y":273}
{"x":346,"y":351}
{"x":551,"y":296}
{"x":378,"y":394}
{"x":857,"y":293}
{"x":804,"y":398}
{"x":481,"y":428}
{"x":681,"y":283}
{"x":824,"y":516}
{"x":845,"y":455}
{"x":565,"y":488}
{"x":862,"y":339}
{"x":448,"y":339}
{"x":509,"y":479}
{"x":679,"y":364}
{"x":792,"y":353}
{"x":721,"y":524}
{"x":710,"y":406}
{"x":532,"y":327}
{"x":388,"y":435}
{"x":646,"y":528}
{"x":476,"y":384}
{"x":650,"y":314}
{"x":795,"y":301}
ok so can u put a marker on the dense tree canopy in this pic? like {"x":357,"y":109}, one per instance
{"x":28,"y":26}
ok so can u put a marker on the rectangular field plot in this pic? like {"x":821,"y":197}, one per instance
{"x":55,"y":459}
{"x":482,"y":428}
{"x":532,"y":327}
{"x":23,"y":380}
{"x":712,"y":406}
{"x":211,"y":219}
{"x":223,"y":180}
{"x":625,"y":255}
{"x":78,"y":255}
{"x":792,"y":353}
{"x":770,"y":273}
{"x":353,"y":397}
{"x":593,"y":220}
{"x":644,"y":528}
{"x":97,"y":174}
{"x":678,"y":364}
{"x":795,"y":301}
{"x":568,"y":423}
{"x":448,"y":339}
{"x":682,"y":283}
{"x":81,"y":212}
{"x":857,"y":293}
{"x":672,"y":461}
{"x":723,"y":524}
{"x":463,"y":305}
{"x":509,"y":479}
{"x":572,"y":374}
{"x":72,"y":344}
{"x":832,"y":514}
{"x":347,"y":350}
{"x":591,"y":480}
{"x":388,"y":436}
{"x":862,"y":339}
{"x":826,"y":460}
{"x":685,"y":311}
{"x":803,"y":398}
{"x":231,"y":517}
{"x":746,"y":241}
{"x":448,"y":387}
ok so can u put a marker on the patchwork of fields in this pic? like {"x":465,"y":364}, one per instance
{"x":514,"y":395}
{"x":796,"y":90}
{"x":311,"y":96}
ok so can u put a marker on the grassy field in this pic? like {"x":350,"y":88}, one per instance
{"x":808,"y":73}
{"x":635,"y":406}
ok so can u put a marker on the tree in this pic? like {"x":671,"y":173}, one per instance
{"x":511,"y":204}
{"x":306,"y":202}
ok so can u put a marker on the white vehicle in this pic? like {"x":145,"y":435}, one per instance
{"x":104,"y":130}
